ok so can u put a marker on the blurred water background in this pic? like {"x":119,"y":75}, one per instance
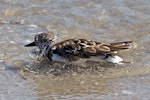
{"x":100,"y":20}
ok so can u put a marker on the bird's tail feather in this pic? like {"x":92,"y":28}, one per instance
{"x":120,"y":45}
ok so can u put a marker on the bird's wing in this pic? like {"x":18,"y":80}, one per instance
{"x":81,"y":47}
{"x":87,"y":48}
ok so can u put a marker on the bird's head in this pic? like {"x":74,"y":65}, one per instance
{"x":43,"y":38}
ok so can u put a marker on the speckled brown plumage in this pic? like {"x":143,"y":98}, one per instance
{"x":85,"y":48}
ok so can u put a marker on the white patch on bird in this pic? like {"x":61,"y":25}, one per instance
{"x":79,"y":48}
{"x":115,"y":52}
{"x":56,"y":57}
{"x":114,"y":59}
{"x":43,"y":51}
{"x":54,"y":48}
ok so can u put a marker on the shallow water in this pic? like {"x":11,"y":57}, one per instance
{"x":100,"y":20}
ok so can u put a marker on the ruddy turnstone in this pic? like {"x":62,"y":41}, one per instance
{"x":73,"y":49}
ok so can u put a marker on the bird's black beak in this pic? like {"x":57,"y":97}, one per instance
{"x":30,"y":44}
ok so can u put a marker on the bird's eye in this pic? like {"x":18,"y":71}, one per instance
{"x":44,"y":40}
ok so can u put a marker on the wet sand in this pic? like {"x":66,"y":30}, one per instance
{"x":72,"y":84}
